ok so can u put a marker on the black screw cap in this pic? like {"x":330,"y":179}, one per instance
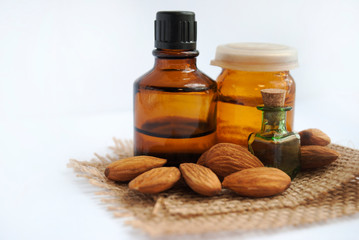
{"x":175,"y":30}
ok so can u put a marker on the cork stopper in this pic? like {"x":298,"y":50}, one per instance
{"x":273,"y":97}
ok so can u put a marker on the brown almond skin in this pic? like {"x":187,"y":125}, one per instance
{"x":201,"y":179}
{"x":317,"y":156}
{"x":126,"y":169}
{"x":227,"y":158}
{"x":258,"y":182}
{"x":202,"y":158}
{"x":313,"y":136}
{"x":156,"y":180}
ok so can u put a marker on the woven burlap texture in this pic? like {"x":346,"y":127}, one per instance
{"x":313,"y":196}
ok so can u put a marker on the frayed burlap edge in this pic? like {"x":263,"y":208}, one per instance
{"x":315,"y":196}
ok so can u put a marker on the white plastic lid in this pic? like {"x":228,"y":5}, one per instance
{"x":259,"y":57}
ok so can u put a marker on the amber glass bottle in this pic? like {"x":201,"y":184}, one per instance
{"x":237,"y":112}
{"x":248,"y":68}
{"x":174,"y":103}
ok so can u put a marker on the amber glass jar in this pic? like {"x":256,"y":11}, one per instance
{"x":247,"y":69}
{"x":174,"y":103}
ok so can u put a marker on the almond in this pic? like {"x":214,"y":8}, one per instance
{"x":258,"y":182}
{"x":313,"y":136}
{"x":226,"y":158}
{"x":202,"y":158}
{"x":156,"y":180}
{"x":128,"y":168}
{"x":317,"y":156}
{"x":201,"y":179}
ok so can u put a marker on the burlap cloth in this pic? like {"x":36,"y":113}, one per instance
{"x":313,"y":196}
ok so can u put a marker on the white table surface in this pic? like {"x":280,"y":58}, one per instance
{"x":43,"y":199}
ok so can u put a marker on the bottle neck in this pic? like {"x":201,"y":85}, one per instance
{"x":175,"y":59}
{"x":258,"y":78}
{"x":274,"y":123}
{"x":281,"y":74}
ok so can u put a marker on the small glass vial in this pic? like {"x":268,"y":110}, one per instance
{"x":248,"y":68}
{"x":174,"y":103}
{"x":274,"y":145}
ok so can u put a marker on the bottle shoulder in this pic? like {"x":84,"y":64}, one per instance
{"x":176,"y":78}
{"x":276,"y":138}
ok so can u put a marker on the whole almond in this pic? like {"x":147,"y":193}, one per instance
{"x":258,"y":182}
{"x":317,"y":156}
{"x":200,"y":179}
{"x":126,"y":169}
{"x":226,"y":158}
{"x":313,"y":136}
{"x":156,"y":180}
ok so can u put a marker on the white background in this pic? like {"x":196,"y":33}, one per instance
{"x":66,"y":75}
